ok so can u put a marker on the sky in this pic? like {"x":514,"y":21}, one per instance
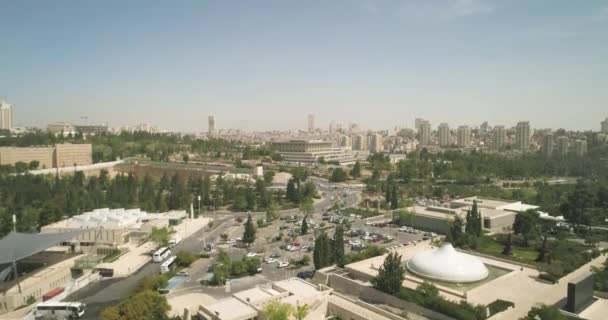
{"x":262,"y":65}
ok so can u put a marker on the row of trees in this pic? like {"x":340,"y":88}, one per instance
{"x":329,"y":251}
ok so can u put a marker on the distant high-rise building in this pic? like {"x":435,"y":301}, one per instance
{"x":464,"y":136}
{"x":522,"y":136}
{"x":359,"y":142}
{"x":563,"y":144}
{"x":311,"y":122}
{"x":500,"y":135}
{"x":444,"y":134}
{"x":424,"y":133}
{"x":548,"y":144}
{"x":605,"y":126}
{"x":345,"y":142}
{"x":483,"y":129}
{"x":354,"y":128}
{"x":211,"y":125}
{"x":332,"y":127}
{"x":580,"y":147}
{"x":6,"y":115}
{"x":375,"y":142}
{"x":417,"y":123}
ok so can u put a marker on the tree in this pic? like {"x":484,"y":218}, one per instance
{"x":321,"y":255}
{"x":356,"y":171}
{"x":185,"y":157}
{"x":275,"y":310}
{"x":455,"y":235}
{"x":21,"y":167}
{"x":544,"y":312}
{"x":304,"y":229}
{"x":474,"y":223}
{"x":147,"y":304}
{"x":307,"y":206}
{"x":338,"y":175}
{"x":249,"y":233}
{"x":292,"y":192}
{"x":302,"y":311}
{"x":339,"y":255}
{"x":34,"y":164}
{"x":508,"y":249}
{"x":184,"y":258}
{"x":160,"y":236}
{"x":543,"y":251}
{"x":390,"y":275}
{"x":526,"y":225}
{"x":272,"y":210}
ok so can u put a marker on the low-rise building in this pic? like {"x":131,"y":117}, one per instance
{"x":310,"y":151}
{"x":58,"y":156}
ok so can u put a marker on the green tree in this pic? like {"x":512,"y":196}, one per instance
{"x":160,"y":236}
{"x":275,"y":310}
{"x":544,"y":312}
{"x":184,"y":258}
{"x":34,"y":164}
{"x":302,"y":311}
{"x":390,"y":275}
{"x":185,"y":157}
{"x":455,"y":235}
{"x":307,"y":206}
{"x":304,"y":228}
{"x":321,"y":255}
{"x":143,"y":305}
{"x":508,"y":249}
{"x":249,"y":233}
{"x":292,"y":192}
{"x":338,"y":242}
{"x":272,"y":210}
{"x":338,"y":175}
{"x":526,"y":225}
{"x":356,"y":171}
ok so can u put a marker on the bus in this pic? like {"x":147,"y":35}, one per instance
{"x":161,"y":254}
{"x":167,"y":265}
{"x":60,"y":310}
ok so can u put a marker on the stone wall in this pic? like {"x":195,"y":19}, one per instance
{"x":413,"y":311}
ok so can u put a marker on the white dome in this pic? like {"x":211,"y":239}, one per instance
{"x":447,"y":264}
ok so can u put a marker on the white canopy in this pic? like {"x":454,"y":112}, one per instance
{"x":447,"y":264}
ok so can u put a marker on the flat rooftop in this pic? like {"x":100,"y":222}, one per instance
{"x":232,"y":309}
{"x":436,"y":212}
{"x":297,"y":287}
{"x":482,"y":202}
{"x":255,"y":296}
{"x":495,"y":213}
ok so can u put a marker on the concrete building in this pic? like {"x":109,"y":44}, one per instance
{"x":12,"y":155}
{"x":91,"y":129}
{"x":434,"y":219}
{"x":605,"y":126}
{"x":375,"y":142}
{"x":67,"y":155}
{"x":500,"y":136}
{"x":444,"y":135}
{"x":211,"y":125}
{"x":6,"y":115}
{"x":345,"y":142}
{"x":311,"y":122}
{"x":64,"y":128}
{"x":563,"y":145}
{"x":424,"y":133}
{"x":114,"y":227}
{"x":580,"y":147}
{"x":548,"y":144}
{"x":360,"y":142}
{"x":522,"y":136}
{"x":483,"y":129}
{"x":323,"y":302}
{"x":417,"y":123}
{"x":464,"y":136}
{"x":309,"y":151}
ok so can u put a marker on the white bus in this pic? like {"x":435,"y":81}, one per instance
{"x":60,"y":310}
{"x":167,"y":265}
{"x":161,"y":254}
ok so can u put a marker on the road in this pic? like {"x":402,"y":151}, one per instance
{"x":109,"y":292}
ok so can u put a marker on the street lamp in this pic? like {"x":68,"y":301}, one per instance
{"x":199,"y":204}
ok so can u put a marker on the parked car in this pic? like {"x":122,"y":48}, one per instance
{"x":251,"y":254}
{"x":270,"y":260}
{"x":282,"y":264}
{"x":184,"y":273}
{"x":275,"y":255}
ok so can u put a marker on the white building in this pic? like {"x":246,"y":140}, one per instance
{"x":464,"y":136}
{"x":522,"y":136}
{"x":6,"y":115}
{"x":444,"y":135}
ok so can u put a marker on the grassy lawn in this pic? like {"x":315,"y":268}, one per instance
{"x":488,"y":245}
{"x":566,"y":256}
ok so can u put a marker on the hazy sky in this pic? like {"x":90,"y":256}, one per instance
{"x":266,"y":64}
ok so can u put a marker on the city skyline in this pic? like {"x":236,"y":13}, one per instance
{"x":266,"y":66}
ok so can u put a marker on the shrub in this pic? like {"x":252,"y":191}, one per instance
{"x":499,"y":306}
{"x":184,"y":258}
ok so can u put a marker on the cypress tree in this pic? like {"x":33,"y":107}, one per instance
{"x":249,"y":233}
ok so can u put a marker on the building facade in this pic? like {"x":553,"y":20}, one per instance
{"x":375,"y":142}
{"x":548,"y":144}
{"x":580,"y":147}
{"x":72,"y":154}
{"x":500,"y":136}
{"x":311,"y":122}
{"x":6,"y":115}
{"x":424,"y":133}
{"x":360,"y":142}
{"x":211,"y":125}
{"x":464,"y":136}
{"x":58,"y":156}
{"x":310,"y":151}
{"x":444,"y":135}
{"x":563,"y":145}
{"x":605,"y":126}
{"x":522,"y":136}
